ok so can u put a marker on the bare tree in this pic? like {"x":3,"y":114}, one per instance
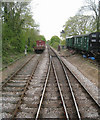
{"x":91,"y":5}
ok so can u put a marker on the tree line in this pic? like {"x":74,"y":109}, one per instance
{"x":82,"y":23}
{"x":18,"y":28}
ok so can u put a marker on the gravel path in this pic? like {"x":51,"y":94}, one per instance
{"x":87,"y":67}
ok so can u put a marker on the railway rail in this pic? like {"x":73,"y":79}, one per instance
{"x":11,"y":77}
{"x":86,"y":106}
{"x":67,"y":95}
{"x":14,"y":89}
{"x":51,"y":98}
{"x":47,"y":89}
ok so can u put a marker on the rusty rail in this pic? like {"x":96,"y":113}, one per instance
{"x":25,"y":89}
{"x":5,"y":82}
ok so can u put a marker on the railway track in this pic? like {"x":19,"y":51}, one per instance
{"x":15,"y":88}
{"x":47,"y":89}
{"x":86,"y":106}
{"x":50,"y":105}
{"x":70,"y":105}
{"x":54,"y":98}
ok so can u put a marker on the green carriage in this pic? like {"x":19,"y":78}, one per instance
{"x":88,"y":43}
{"x":81,"y":42}
{"x":70,"y":42}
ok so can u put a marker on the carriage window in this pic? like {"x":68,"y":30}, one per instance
{"x":90,"y":45}
{"x":93,"y":40}
{"x":94,"y":35}
{"x":75,"y":41}
{"x":80,"y":39}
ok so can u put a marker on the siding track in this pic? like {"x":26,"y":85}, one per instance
{"x":14,"y":89}
{"x":86,"y":106}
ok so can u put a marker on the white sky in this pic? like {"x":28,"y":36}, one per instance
{"x":51,"y":15}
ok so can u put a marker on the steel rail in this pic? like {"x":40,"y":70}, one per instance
{"x":61,"y":95}
{"x":82,"y":85}
{"x":78,"y":81}
{"x":25,"y":89}
{"x":72,"y":93}
{"x":5,"y":82}
{"x":41,"y":100}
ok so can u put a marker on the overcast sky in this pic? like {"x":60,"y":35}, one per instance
{"x":51,"y":15}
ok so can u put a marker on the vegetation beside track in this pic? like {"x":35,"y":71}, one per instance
{"x":19,"y":31}
{"x":11,"y":58}
{"x":55,"y":41}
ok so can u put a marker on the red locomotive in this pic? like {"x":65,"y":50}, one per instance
{"x":40,"y":46}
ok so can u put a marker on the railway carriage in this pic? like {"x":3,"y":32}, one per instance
{"x":40,"y":46}
{"x":81,"y":42}
{"x":89,"y":44}
{"x":70,"y":42}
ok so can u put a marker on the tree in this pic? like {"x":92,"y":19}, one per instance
{"x":41,"y":37}
{"x":79,"y":24}
{"x":91,"y":5}
{"x":54,"y":41}
{"x":63,"y":42}
{"x":18,"y":27}
{"x":31,"y":35}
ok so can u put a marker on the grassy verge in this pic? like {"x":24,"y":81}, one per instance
{"x":11,"y":58}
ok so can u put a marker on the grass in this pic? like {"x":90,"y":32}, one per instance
{"x":10,"y":58}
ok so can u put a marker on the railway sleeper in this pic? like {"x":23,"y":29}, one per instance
{"x":27,"y":101}
{"x":51,"y":113}
{"x":11,"y":94}
{"x":17,"y":81}
{"x":15,"y":85}
{"x":7,"y":110}
{"x":35,"y":98}
{"x":10,"y":99}
{"x":16,"y":78}
{"x":6,"y":115}
{"x":32,"y":95}
{"x":51,"y":104}
{"x":28,"y":113}
{"x":14,"y":89}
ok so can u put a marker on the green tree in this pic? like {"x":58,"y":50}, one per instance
{"x":31,"y":35}
{"x":63,"y":42}
{"x":41,"y":37}
{"x":18,"y":27}
{"x":91,"y":5}
{"x":54,"y":41}
{"x":79,"y":24}
{"x":17,"y":20}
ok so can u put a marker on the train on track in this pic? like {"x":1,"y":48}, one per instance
{"x":88,"y":44}
{"x":40,"y":46}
